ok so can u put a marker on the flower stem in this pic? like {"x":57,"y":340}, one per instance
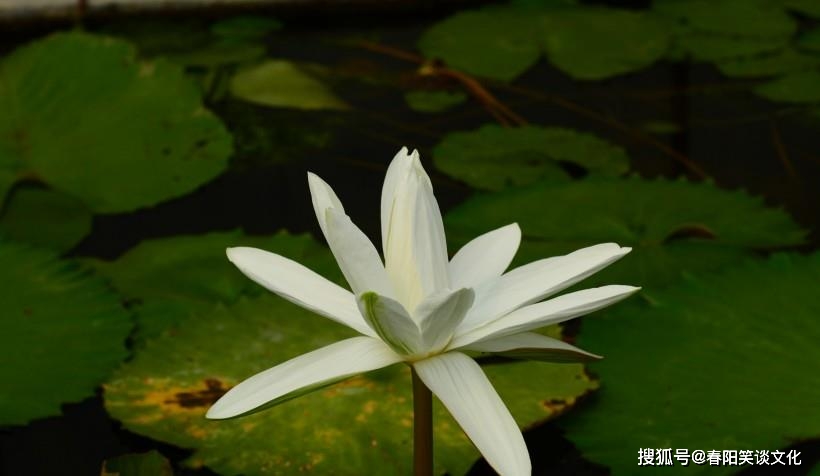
{"x":422,"y":428}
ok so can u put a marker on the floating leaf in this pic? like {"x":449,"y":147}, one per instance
{"x":796,"y":87}
{"x":78,"y":108}
{"x":496,"y":42}
{"x":61,"y":332}
{"x":596,"y":43}
{"x":242,"y":28}
{"x":151,"y":463}
{"x":175,"y":277}
{"x":434,"y":101}
{"x":494,"y":157}
{"x":725,"y":362}
{"x":346,"y":429}
{"x":777,"y":63}
{"x":674,"y":227}
{"x":749,"y":18}
{"x":720,"y":48}
{"x":661,"y":127}
{"x":280,"y":83}
{"x":45,"y":218}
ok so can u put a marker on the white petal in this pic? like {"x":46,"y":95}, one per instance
{"x":391,"y":322}
{"x":356,"y":255}
{"x":463,"y":388}
{"x":300,"y":285}
{"x":485,"y":257}
{"x":537,"y":280}
{"x":415,"y":251}
{"x":532,"y":346}
{"x":546,"y":313}
{"x":304,"y":374}
{"x":440,"y":314}
{"x":323,"y":198}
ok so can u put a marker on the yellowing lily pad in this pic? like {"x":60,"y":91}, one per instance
{"x":725,"y":362}
{"x":281,"y":83}
{"x":494,"y":157}
{"x":62,"y":331}
{"x":673,"y":226}
{"x":84,"y":115}
{"x":346,"y":429}
{"x":45,"y":218}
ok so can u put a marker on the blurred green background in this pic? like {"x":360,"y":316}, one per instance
{"x":135,"y":149}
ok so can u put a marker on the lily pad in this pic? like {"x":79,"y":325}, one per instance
{"x":673,"y":226}
{"x":725,"y":362}
{"x":715,"y":47}
{"x":777,"y":63}
{"x":281,"y":83}
{"x":596,"y":43}
{"x":494,"y":157}
{"x":801,"y":87}
{"x":62,"y":332}
{"x":172,"y":278}
{"x":151,"y":463}
{"x":434,"y":101}
{"x":346,"y":429}
{"x":496,"y":42}
{"x":45,"y":218}
{"x":746,"y":18}
{"x":78,"y":107}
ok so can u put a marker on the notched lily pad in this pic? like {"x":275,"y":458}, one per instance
{"x":726,"y":362}
{"x":45,"y":218}
{"x":281,"y":83}
{"x":77,"y":107}
{"x":345,"y":429}
{"x":62,"y":331}
{"x":673,"y":226}
{"x":494,"y":157}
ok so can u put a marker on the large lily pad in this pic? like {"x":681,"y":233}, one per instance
{"x":726,"y":362}
{"x":596,"y":43}
{"x":62,"y":331}
{"x":802,"y":87}
{"x":673,"y":226}
{"x":281,"y":83}
{"x":171,"y":278}
{"x":494,"y":157}
{"x":45,"y":218}
{"x":82,"y":114}
{"x":776,"y":63}
{"x":346,"y":429}
{"x":496,"y":42}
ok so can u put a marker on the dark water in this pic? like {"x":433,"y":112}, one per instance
{"x":737,"y":138}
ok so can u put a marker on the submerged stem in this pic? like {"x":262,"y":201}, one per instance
{"x":422,"y":428}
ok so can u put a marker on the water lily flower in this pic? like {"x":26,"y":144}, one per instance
{"x":420,"y":307}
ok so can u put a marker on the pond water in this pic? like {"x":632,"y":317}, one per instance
{"x":676,"y":117}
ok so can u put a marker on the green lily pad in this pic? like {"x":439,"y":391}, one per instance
{"x":746,"y":18}
{"x":281,"y":83}
{"x":596,"y":43}
{"x":809,"y":41}
{"x":78,"y":107}
{"x":62,"y":332}
{"x":803,"y":87}
{"x":661,"y":127}
{"x":673,"y":226}
{"x":777,"y":63}
{"x":346,"y":429}
{"x":242,"y":28}
{"x":713,"y":47}
{"x":495,"y":42}
{"x":494,"y":157}
{"x":45,"y":218}
{"x":151,"y":463}
{"x":434,"y":101}
{"x":725,"y":362}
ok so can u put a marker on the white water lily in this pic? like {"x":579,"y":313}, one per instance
{"x":419,"y":307}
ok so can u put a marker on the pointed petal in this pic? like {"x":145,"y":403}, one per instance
{"x":356,"y":255}
{"x":546,"y":313}
{"x":485,"y":257}
{"x":323,"y":198}
{"x":463,"y":388}
{"x":304,"y":374}
{"x":537,"y":280}
{"x":391,"y":322}
{"x":415,"y":251}
{"x":300,"y":286}
{"x":440,"y":314}
{"x":532,"y":346}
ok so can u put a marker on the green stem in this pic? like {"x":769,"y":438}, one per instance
{"x":422,"y":428}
